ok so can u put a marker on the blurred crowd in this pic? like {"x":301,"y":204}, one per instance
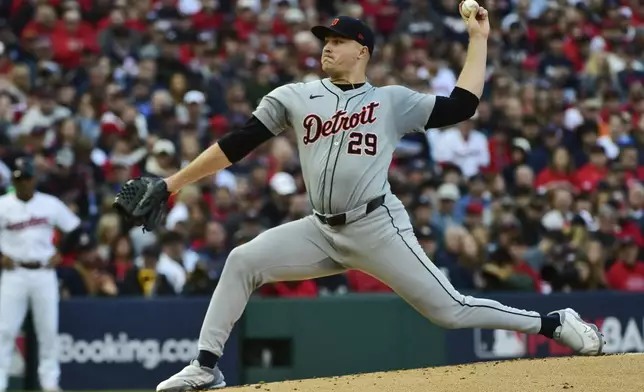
{"x":540,"y":191}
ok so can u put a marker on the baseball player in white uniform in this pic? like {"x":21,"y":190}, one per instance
{"x":347,"y":131}
{"x":27,"y":222}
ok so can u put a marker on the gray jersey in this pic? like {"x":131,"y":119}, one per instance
{"x":346,"y":139}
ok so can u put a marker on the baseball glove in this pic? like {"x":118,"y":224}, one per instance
{"x":143,"y":202}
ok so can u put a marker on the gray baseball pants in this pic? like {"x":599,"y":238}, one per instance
{"x":381,"y":244}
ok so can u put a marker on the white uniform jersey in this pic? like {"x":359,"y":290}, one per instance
{"x":27,"y":228}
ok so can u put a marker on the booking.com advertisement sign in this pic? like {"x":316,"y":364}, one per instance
{"x":620,"y":317}
{"x":132,"y":343}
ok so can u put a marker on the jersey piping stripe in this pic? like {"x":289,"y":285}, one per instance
{"x":438,"y":280}
{"x":337,"y":103}
{"x":335,"y":164}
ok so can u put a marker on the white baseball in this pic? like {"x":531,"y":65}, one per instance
{"x":468,"y":7}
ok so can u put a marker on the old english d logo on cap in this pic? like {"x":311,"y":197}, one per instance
{"x":347,"y":27}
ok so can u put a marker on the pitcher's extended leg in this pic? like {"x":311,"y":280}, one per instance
{"x":392,"y":254}
{"x":293,"y":251}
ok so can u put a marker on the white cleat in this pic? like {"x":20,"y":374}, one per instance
{"x":193,"y":377}
{"x":584,"y":338}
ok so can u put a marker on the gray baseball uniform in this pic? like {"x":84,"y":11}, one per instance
{"x":346,"y":140}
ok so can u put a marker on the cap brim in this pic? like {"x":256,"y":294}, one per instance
{"x":321,"y":32}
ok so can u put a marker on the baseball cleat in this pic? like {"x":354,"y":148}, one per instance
{"x":584,"y":338}
{"x":193,"y":377}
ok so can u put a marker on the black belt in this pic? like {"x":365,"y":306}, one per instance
{"x":32,"y":265}
{"x":341,"y":219}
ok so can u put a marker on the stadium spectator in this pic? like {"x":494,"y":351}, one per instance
{"x":144,"y":278}
{"x":180,"y":212}
{"x":213,"y":252}
{"x":276,"y":209}
{"x":627,"y":272}
{"x":506,"y":269}
{"x":175,"y":261}
{"x":464,"y":146}
{"x":592,"y":266}
{"x":89,"y":276}
{"x":458,"y":258}
{"x":107,"y":232}
{"x":560,"y":174}
{"x":446,"y":214}
{"x":121,"y":258}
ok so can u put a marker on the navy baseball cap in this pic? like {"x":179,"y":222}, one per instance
{"x":347,"y":27}
{"x":23,"y":168}
{"x":424,"y":233}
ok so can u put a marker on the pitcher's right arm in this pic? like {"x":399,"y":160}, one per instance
{"x":269,"y":119}
{"x":418,"y":111}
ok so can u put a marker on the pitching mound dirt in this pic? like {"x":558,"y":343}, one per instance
{"x":623,"y":373}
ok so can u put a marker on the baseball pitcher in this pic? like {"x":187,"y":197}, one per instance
{"x":347,"y":131}
{"x":27,"y":221}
